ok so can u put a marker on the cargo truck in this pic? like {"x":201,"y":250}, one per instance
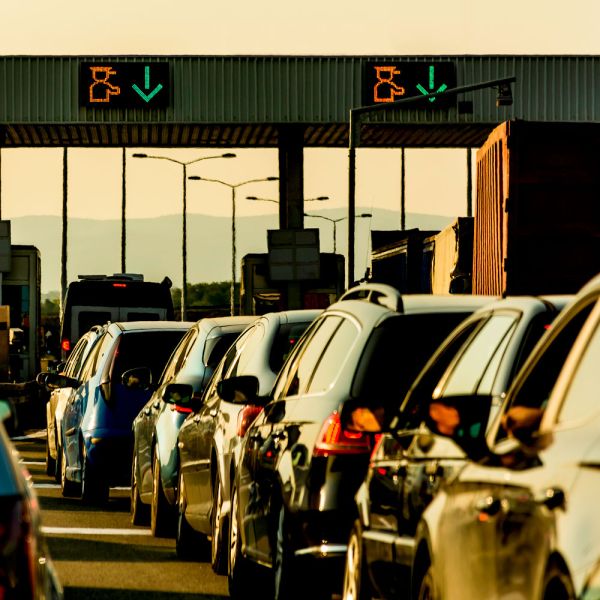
{"x":537,"y":214}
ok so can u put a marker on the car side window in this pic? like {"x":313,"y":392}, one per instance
{"x":178,"y":356}
{"x":303,"y":367}
{"x":332,"y":360}
{"x":581,"y":399}
{"x":475,"y":368}
{"x":75,"y":359}
{"x":529,"y":400}
{"x":93,"y":360}
{"x":248,"y":350}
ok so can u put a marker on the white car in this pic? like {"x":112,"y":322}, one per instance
{"x":521,"y":521}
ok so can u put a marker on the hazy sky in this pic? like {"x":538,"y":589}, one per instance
{"x":31,"y":178}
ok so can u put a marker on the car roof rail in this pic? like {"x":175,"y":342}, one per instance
{"x":376,"y":293}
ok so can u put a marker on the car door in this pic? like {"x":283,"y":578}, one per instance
{"x":278,"y":451}
{"x":195,"y":436}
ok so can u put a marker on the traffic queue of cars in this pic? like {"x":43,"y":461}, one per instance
{"x":392,"y":446}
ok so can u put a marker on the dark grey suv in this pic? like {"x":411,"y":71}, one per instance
{"x":293,"y":498}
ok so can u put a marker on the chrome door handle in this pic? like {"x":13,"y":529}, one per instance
{"x":213,"y":413}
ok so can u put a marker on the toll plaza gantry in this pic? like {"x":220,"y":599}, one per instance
{"x":285,"y":102}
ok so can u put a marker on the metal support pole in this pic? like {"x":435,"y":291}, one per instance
{"x":334,"y":237}
{"x":0,"y":183}
{"x":233,"y":258}
{"x":403,"y":191}
{"x":469,"y":184}
{"x":123,"y":213}
{"x":184,"y":248}
{"x":63,"y":262}
{"x":353,"y":141}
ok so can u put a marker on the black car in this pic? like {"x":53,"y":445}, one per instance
{"x":408,"y":467}
{"x":293,"y":499}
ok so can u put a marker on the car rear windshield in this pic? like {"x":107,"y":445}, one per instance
{"x":145,"y":349}
{"x":216,"y":347}
{"x":395,"y":353}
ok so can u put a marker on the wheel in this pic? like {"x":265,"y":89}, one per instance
{"x":239,"y":570}
{"x":427,"y":586}
{"x":94,"y":490}
{"x":189,"y":544}
{"x":68,"y":488}
{"x":356,"y":579}
{"x":557,"y":584}
{"x":287,"y":583}
{"x":50,"y":462}
{"x":58,"y":465}
{"x":138,"y":511}
{"x":218,"y":551}
{"x":161,"y":515}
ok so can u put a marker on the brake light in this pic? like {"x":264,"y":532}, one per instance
{"x":185,"y":410}
{"x":246,"y":417}
{"x":334,"y":440}
{"x":66,"y":345}
{"x":120,"y":285}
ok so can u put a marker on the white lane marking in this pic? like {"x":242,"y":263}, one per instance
{"x":93,"y":531}
{"x":46,"y":486}
{"x":32,"y":462}
{"x":32,"y":436}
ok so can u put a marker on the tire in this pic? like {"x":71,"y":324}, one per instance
{"x":94,"y":490}
{"x":239,"y":568}
{"x":427,"y":586}
{"x":189,"y":544}
{"x":50,"y":462}
{"x":218,"y":549}
{"x":58,"y":465}
{"x":69,"y":489}
{"x":139,"y":512}
{"x":161,"y":515}
{"x":287,"y":583}
{"x":356,"y":579}
{"x":557,"y":584}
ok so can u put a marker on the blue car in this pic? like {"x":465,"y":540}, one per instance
{"x":155,"y":462}
{"x":115,"y":383}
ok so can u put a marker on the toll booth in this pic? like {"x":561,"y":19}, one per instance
{"x":21,"y":294}
{"x":259,"y":294}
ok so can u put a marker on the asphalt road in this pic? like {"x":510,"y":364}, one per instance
{"x":99,"y":555}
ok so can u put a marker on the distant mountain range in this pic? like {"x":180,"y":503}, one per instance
{"x":154,"y":245}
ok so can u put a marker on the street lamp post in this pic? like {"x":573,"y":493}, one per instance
{"x":504,"y":98}
{"x":233,"y":187}
{"x":336,"y":221}
{"x":184,"y":164}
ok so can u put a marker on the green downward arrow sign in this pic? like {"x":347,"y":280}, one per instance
{"x":431,"y":85}
{"x":147,"y":97}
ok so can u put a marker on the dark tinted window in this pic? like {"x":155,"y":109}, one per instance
{"x":142,"y":316}
{"x":87,"y":318}
{"x":216,"y":347}
{"x":395,"y":353}
{"x":145,"y":349}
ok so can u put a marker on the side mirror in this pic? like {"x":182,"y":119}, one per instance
{"x":55,"y":380}
{"x":139,"y":378}
{"x":463,"y":419}
{"x":40,"y":378}
{"x":240,"y":390}
{"x":59,"y":367}
{"x":361,"y":418}
{"x":182,"y":395}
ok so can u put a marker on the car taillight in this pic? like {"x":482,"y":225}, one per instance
{"x":66,"y":345}
{"x":186,"y":410}
{"x":120,"y":285}
{"x":333,"y":439}
{"x":17,"y":550}
{"x":246,"y":417}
